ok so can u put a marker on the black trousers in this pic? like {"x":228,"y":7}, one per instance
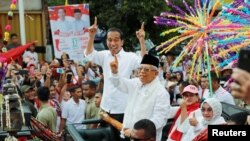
{"x":118,"y":117}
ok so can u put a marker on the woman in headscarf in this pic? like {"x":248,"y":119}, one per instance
{"x":188,"y":106}
{"x":211,"y":110}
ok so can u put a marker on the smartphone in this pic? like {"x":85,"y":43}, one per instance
{"x":60,"y":70}
{"x":244,"y":59}
{"x":69,"y":77}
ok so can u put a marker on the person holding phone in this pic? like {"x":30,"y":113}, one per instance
{"x":241,"y":89}
{"x":241,"y":76}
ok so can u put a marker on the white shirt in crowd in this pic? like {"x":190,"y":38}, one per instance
{"x":73,"y":112}
{"x":221,"y":94}
{"x":31,"y":56}
{"x":150,"y":101}
{"x":113,"y":100}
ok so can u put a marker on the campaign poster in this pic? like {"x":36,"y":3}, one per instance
{"x":69,"y":27}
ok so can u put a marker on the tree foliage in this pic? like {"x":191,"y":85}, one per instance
{"x":128,"y":16}
{"x":62,"y":2}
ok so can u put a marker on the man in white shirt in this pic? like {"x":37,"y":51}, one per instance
{"x":73,"y":109}
{"x":62,"y":25}
{"x":79,"y":24}
{"x":203,"y":86}
{"x":148,"y":99}
{"x":218,"y":92}
{"x":114,"y":101}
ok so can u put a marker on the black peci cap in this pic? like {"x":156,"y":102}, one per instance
{"x":151,"y":60}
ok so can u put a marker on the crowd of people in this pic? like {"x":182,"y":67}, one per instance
{"x":140,"y":92}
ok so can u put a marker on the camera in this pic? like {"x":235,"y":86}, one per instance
{"x":60,"y":70}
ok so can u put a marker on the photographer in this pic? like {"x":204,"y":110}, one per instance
{"x":66,"y":80}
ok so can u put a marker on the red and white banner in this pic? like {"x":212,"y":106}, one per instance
{"x":69,"y":27}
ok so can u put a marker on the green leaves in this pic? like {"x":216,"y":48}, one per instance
{"x":62,"y":2}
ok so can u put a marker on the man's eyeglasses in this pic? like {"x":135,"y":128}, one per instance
{"x":206,"y":109}
{"x":145,"y":69}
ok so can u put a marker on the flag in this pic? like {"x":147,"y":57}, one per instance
{"x":14,"y":53}
{"x":52,"y":13}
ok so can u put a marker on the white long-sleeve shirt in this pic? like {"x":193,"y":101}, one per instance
{"x":150,"y":101}
{"x":114,"y":101}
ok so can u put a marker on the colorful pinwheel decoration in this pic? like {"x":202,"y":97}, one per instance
{"x":213,"y":31}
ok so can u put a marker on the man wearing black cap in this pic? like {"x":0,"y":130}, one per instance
{"x":26,"y":92}
{"x":148,"y":99}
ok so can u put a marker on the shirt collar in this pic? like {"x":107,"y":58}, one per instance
{"x":151,"y":83}
{"x":74,"y":101}
{"x":218,"y":90}
{"x":44,"y":106}
{"x":90,"y":100}
{"x":120,"y":53}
